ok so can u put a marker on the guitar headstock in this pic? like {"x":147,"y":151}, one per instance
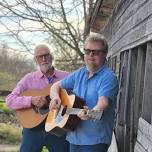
{"x":95,"y":114}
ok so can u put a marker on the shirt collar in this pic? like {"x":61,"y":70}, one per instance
{"x":56,"y":73}
{"x":101,"y":68}
{"x":41,"y":75}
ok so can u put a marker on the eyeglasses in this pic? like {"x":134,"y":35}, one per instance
{"x":46,"y":56}
{"x":93,"y":52}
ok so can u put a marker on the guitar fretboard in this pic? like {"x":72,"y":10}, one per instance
{"x":72,"y":111}
{"x":93,"y":114}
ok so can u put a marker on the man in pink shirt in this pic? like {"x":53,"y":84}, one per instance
{"x":34,"y":139}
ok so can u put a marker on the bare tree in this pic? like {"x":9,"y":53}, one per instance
{"x":61,"y":22}
{"x":13,"y":66}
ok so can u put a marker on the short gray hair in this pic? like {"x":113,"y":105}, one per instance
{"x":97,"y":38}
{"x":44,"y":46}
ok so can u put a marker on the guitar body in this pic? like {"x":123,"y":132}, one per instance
{"x":64,"y":123}
{"x":28,"y":117}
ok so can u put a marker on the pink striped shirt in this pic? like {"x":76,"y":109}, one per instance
{"x":34,"y":80}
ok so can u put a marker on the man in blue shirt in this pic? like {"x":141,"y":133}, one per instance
{"x":98,"y":86}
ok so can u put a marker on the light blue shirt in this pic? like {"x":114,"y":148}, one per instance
{"x":102,"y":83}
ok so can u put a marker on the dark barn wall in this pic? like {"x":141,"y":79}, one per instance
{"x":129,"y":32}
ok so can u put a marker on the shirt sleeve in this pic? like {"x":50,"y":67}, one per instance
{"x":68,"y":82}
{"x":109,"y":88}
{"x":15,"y":100}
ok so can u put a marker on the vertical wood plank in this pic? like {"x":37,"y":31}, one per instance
{"x":147,"y":91}
{"x":129,"y":94}
{"x":126,"y":104}
{"x":120,"y":124}
{"x":130,"y":101}
{"x":139,"y":84}
{"x":117,"y":64}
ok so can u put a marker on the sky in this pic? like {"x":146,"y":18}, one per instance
{"x":31,"y":38}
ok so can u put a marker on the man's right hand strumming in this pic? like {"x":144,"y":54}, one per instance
{"x":55,"y":104}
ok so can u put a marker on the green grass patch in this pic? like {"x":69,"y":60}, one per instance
{"x":45,"y":149}
{"x":4,"y":108}
{"x":10,"y":134}
{"x":1,"y":100}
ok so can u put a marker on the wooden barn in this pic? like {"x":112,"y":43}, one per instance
{"x":127,"y":25}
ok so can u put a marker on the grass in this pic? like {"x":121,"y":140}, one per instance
{"x":4,"y":108}
{"x":10,"y":134}
{"x":1,"y":100}
{"x":44,"y":149}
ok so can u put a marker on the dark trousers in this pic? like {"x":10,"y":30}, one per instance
{"x":89,"y":148}
{"x":34,"y":140}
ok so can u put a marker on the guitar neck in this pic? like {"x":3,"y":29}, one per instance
{"x":72,"y":111}
{"x":93,"y":114}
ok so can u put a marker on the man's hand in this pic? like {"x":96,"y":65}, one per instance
{"x":83,"y":113}
{"x":55,"y":104}
{"x":39,"y":101}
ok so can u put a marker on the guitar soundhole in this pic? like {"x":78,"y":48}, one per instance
{"x":64,"y":110}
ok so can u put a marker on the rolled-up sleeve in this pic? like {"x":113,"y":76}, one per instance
{"x":15,"y":100}
{"x":68,"y":82}
{"x":109,"y":87}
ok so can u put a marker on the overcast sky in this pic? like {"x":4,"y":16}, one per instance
{"x":31,"y":38}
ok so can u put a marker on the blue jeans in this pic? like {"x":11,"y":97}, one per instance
{"x":89,"y":148}
{"x":34,"y":140}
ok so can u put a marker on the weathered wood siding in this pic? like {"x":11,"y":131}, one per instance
{"x":130,"y":25}
{"x":147,"y":90}
{"x":144,"y":137}
{"x":129,"y":33}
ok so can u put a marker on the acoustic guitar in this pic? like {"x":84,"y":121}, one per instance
{"x":33,"y":116}
{"x":66,"y":119}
